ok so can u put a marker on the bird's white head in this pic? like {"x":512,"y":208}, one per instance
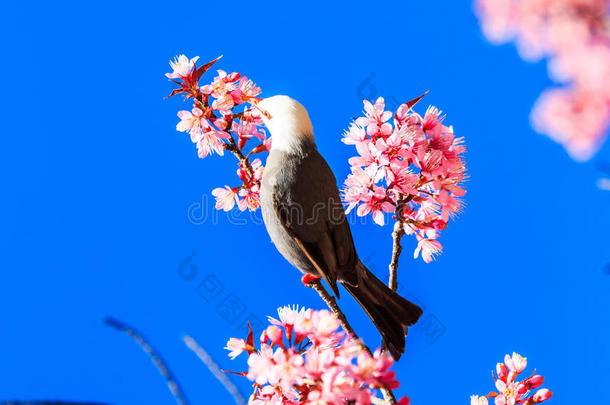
{"x":288,"y":123}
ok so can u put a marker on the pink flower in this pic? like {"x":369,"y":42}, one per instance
{"x":510,"y":391}
{"x":533,"y":382}
{"x":223,"y":83}
{"x":415,"y":164}
{"x":190,"y":122}
{"x":375,"y":114}
{"x":274,"y":334}
{"x":428,"y":248}
{"x":320,"y":365}
{"x":604,"y":184}
{"x":502,"y":371}
{"x":516,"y":363}
{"x":375,"y":203}
{"x":477,"y":400}
{"x":246,"y":130}
{"x":225,"y":198}
{"x":235,"y":347}
{"x":542,"y":395}
{"x":407,"y":401}
{"x":573,"y":34}
{"x":182,"y":67}
{"x":212,"y":121}
{"x":209,"y":142}
{"x":245,"y":92}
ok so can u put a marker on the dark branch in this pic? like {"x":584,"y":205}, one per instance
{"x":172,"y":383}
{"x":331,"y":302}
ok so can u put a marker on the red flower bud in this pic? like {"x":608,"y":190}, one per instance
{"x":502,"y":371}
{"x":533,"y":382}
{"x":404,"y":401}
{"x":438,"y":224}
{"x":542,"y":395}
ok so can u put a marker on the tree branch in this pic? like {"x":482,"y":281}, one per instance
{"x":331,"y":302}
{"x":214,"y":369}
{"x":172,"y":383}
{"x":397,"y":235}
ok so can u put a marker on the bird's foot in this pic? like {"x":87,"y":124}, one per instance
{"x":308,"y":278}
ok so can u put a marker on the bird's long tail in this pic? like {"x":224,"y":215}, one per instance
{"x":390,"y":312}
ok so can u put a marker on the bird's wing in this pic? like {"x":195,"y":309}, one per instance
{"x":309,"y":249}
{"x":314,"y":217}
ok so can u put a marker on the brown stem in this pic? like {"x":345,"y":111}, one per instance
{"x":171,"y":381}
{"x":397,"y":235}
{"x":331,"y":302}
{"x":245,"y":162}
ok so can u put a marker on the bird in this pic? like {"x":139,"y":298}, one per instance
{"x":305,"y":219}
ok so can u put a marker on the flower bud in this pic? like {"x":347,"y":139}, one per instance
{"x":542,"y":395}
{"x":502,"y":371}
{"x":232,"y":77}
{"x":438,"y":224}
{"x":533,"y":382}
{"x":274,"y":334}
{"x":404,"y":401}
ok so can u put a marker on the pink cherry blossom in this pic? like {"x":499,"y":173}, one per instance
{"x":604,"y":184}
{"x":428,"y":248}
{"x":511,"y":391}
{"x":246,"y":90}
{"x":236,"y":347}
{"x":190,"y":121}
{"x":215,"y":126}
{"x":515,"y":363}
{"x":181,"y":66}
{"x":477,"y":400}
{"x":225,"y":198}
{"x":542,"y":395}
{"x":411,"y":167}
{"x":209,"y":142}
{"x":304,"y":359}
{"x":575,"y":37}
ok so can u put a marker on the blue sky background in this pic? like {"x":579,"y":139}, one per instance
{"x":97,"y":185}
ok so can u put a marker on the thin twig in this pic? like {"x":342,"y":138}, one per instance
{"x":214,"y":369}
{"x":331,"y":302}
{"x":172,"y":383}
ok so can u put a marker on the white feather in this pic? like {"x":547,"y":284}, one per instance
{"x":289,"y":124}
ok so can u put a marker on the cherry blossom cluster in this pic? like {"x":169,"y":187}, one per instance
{"x":215,"y":125}
{"x":575,"y":36}
{"x":411,"y":166}
{"x":303,"y":359}
{"x":510,"y":391}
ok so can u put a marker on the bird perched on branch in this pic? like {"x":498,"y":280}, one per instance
{"x":305,"y":219}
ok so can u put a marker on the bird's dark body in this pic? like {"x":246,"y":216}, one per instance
{"x":304,"y":188}
{"x":305,"y":219}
